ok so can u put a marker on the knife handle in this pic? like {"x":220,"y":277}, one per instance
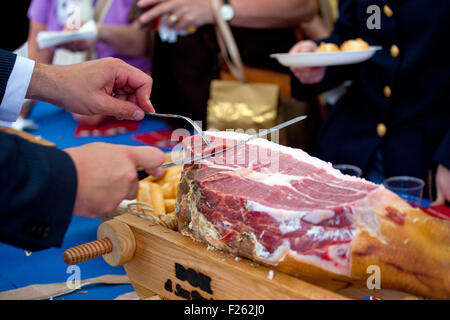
{"x":141,"y":174}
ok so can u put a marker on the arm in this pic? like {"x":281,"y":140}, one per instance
{"x":107,"y":86}
{"x":34,"y":52}
{"x":266,"y":14}
{"x":15,"y":74}
{"x":127,"y":40}
{"x":41,"y":187}
{"x":272,"y":14}
{"x":38,"y":187}
{"x":315,"y":29}
{"x":309,"y":82}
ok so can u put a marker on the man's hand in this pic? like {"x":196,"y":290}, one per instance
{"x":107,"y":175}
{"x":442,"y":185}
{"x":106,"y":86}
{"x":307,"y":75}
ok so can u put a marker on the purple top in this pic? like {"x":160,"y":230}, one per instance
{"x":54,"y":14}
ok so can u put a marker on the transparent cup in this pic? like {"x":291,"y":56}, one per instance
{"x":349,"y":169}
{"x":407,"y":188}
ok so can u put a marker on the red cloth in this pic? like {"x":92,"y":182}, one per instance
{"x":441,"y":212}
{"x":110,"y":127}
{"x":160,"y":139}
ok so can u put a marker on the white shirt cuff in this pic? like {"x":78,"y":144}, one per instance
{"x":16,"y":89}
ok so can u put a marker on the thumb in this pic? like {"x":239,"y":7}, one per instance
{"x":122,"y":109}
{"x":148,"y":158}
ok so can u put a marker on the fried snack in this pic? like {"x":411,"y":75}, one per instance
{"x":328,"y":47}
{"x":151,"y":193}
{"x":169,"y":189}
{"x":170,"y":175}
{"x":170,"y":204}
{"x":355,"y":45}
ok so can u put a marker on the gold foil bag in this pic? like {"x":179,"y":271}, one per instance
{"x":237,"y":105}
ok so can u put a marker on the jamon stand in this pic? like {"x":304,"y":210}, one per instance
{"x":162,"y":261}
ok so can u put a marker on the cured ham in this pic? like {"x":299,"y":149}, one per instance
{"x":283,"y":208}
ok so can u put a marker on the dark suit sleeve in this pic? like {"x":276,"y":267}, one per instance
{"x":37,"y":192}
{"x":344,"y":29}
{"x":7,"y":61}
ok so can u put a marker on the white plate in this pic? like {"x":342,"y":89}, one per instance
{"x":324,"y":59}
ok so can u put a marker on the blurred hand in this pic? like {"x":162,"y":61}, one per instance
{"x":307,"y":75}
{"x":107,"y":175}
{"x":105,"y":87}
{"x":79,"y":45}
{"x":442,"y":185}
{"x":182,"y":13}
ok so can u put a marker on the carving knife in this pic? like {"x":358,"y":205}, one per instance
{"x":142,"y":174}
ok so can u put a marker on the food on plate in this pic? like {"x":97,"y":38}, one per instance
{"x":283,"y":208}
{"x":328,"y":47}
{"x":355,"y":45}
{"x":157,"y":196}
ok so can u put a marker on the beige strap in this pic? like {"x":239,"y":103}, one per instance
{"x":101,"y":9}
{"x":227,"y":44}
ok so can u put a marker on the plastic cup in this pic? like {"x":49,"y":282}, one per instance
{"x":407,"y":188}
{"x":349,"y":169}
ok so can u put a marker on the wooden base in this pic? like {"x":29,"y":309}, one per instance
{"x":175,"y":267}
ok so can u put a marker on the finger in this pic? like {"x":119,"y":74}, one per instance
{"x":304,"y":46}
{"x":133,"y":190}
{"x":158,"y":173}
{"x":148,"y":158}
{"x":148,"y":3}
{"x":440,"y":200}
{"x":135,"y":82}
{"x":157,"y":11}
{"x":181,"y":22}
{"x":121,"y":109}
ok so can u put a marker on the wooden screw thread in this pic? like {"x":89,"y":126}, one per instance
{"x":87,"y":251}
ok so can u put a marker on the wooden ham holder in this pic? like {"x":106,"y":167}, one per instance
{"x":162,"y":261}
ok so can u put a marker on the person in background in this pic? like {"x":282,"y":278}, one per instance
{"x":117,"y":35}
{"x":183,"y":70}
{"x":394,"y":119}
{"x":42,"y":187}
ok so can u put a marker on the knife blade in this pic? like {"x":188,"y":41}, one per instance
{"x":142,"y":174}
{"x":240,"y":143}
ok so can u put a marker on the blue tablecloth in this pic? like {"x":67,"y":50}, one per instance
{"x":19,"y":270}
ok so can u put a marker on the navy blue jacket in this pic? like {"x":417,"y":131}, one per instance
{"x":37,"y":186}
{"x":416,"y":111}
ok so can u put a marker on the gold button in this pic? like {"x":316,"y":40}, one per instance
{"x":388,"y":11}
{"x":387,"y":92}
{"x":381,"y":129}
{"x":395,"y":51}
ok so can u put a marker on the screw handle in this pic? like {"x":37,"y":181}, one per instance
{"x":87,"y":251}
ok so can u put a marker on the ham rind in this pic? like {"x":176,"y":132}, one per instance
{"x":283,"y":197}
{"x":281,"y":207}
